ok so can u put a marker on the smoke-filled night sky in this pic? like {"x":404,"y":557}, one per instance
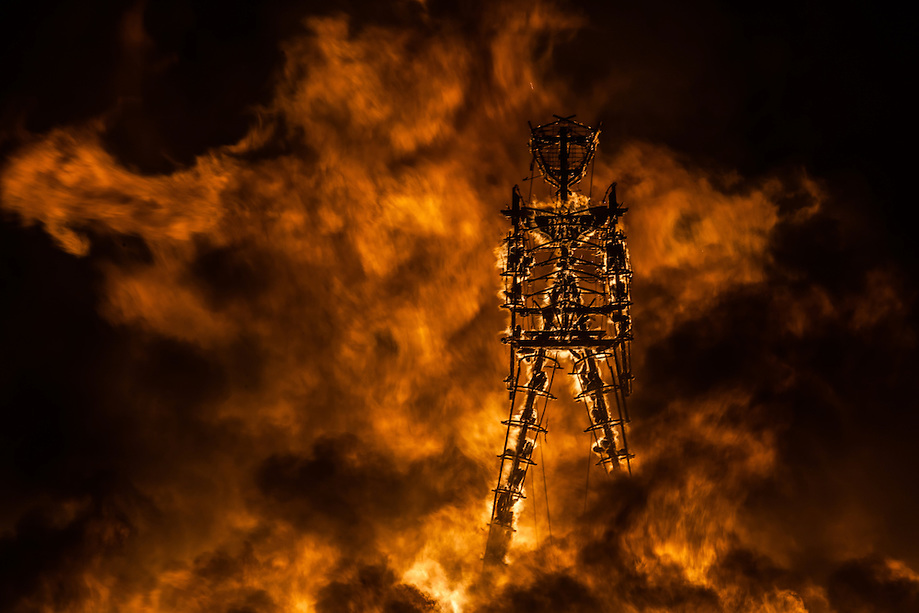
{"x":249,"y":307}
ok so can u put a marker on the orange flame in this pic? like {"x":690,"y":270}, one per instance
{"x":360,"y":272}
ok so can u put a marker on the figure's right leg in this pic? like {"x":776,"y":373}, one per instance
{"x":523,"y":426}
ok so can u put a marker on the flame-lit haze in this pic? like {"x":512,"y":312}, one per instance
{"x":256,"y":367}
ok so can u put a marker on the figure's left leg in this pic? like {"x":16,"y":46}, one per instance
{"x":605,"y":404}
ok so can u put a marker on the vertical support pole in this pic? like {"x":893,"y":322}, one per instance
{"x":563,"y":163}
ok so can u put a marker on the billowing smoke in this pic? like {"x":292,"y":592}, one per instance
{"x":250,"y":317}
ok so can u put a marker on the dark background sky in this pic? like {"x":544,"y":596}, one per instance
{"x":766,"y":89}
{"x":813,"y":84}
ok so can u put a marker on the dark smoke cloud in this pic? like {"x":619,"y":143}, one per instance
{"x":869,"y":584}
{"x":55,"y":543}
{"x":349,"y":490}
{"x":209,"y":411}
{"x":373,"y":587}
{"x":548,"y":592}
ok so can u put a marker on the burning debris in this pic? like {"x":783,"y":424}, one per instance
{"x":567,"y":277}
